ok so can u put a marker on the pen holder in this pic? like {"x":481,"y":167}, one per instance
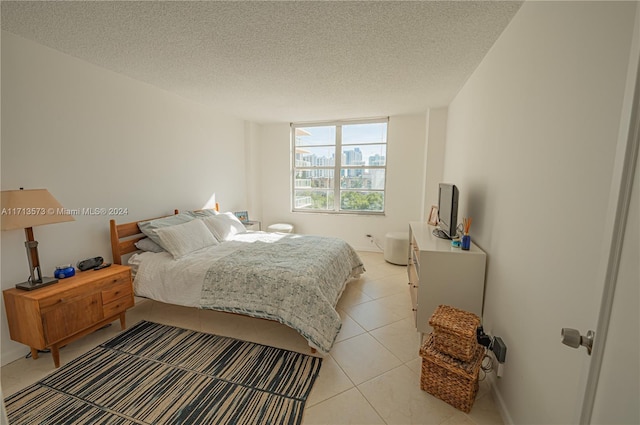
{"x":466,"y":242}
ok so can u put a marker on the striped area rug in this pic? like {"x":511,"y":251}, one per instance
{"x":158,"y":374}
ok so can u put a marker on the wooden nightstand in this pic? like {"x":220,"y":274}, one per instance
{"x":55,"y":315}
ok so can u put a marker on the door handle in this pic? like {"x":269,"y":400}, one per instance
{"x":572,"y":338}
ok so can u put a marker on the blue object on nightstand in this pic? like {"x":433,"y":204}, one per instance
{"x":64,"y":271}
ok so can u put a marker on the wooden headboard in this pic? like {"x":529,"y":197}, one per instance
{"x":124,"y":236}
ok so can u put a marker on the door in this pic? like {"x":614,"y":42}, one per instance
{"x":612,"y":387}
{"x":618,"y":386}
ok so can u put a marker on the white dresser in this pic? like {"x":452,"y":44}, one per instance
{"x":442,"y":274}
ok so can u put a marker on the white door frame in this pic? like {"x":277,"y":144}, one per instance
{"x":620,"y":196}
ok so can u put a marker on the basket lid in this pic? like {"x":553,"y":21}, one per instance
{"x":456,"y":321}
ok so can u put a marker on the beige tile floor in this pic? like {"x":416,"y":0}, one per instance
{"x":371,"y":376}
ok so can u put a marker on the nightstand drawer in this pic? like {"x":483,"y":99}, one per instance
{"x":117,"y":306}
{"x":117,"y":290}
{"x":68,"y":296}
{"x":110,"y":282}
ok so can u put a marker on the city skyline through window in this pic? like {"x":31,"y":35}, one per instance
{"x":354,"y":152}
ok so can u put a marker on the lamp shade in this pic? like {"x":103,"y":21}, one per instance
{"x":28,"y":208}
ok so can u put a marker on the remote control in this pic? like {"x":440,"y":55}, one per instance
{"x":102,"y":266}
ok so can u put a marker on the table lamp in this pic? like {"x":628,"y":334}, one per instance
{"x":24,"y":209}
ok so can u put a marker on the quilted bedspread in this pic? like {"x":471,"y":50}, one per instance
{"x":295,"y":280}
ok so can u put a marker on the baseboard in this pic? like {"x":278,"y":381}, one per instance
{"x":13,"y":355}
{"x":500,"y":403}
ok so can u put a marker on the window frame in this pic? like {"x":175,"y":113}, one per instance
{"x":338,"y":167}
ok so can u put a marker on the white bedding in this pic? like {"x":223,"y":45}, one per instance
{"x":159,"y":277}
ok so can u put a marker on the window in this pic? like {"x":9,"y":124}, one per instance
{"x":339,"y":167}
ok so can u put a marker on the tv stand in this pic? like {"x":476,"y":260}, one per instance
{"x":439,"y":233}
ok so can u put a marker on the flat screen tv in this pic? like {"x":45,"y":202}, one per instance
{"x":447,"y":211}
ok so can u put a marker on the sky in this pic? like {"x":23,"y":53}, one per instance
{"x":351,"y":134}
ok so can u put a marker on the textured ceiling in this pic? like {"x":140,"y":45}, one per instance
{"x":278,"y":61}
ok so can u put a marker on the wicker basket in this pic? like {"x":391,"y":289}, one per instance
{"x":455,"y":332}
{"x":451,"y":380}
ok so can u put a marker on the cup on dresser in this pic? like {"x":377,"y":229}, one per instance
{"x":466,"y":242}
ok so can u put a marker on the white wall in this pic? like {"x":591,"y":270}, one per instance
{"x":253,"y":172}
{"x":94,"y":138}
{"x":531,"y":141}
{"x":405,"y":153}
{"x":435,"y":151}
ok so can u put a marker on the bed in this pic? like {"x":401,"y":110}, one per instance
{"x":207,"y":260}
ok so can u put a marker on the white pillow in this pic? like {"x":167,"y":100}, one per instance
{"x":183,"y":239}
{"x":224,"y":226}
